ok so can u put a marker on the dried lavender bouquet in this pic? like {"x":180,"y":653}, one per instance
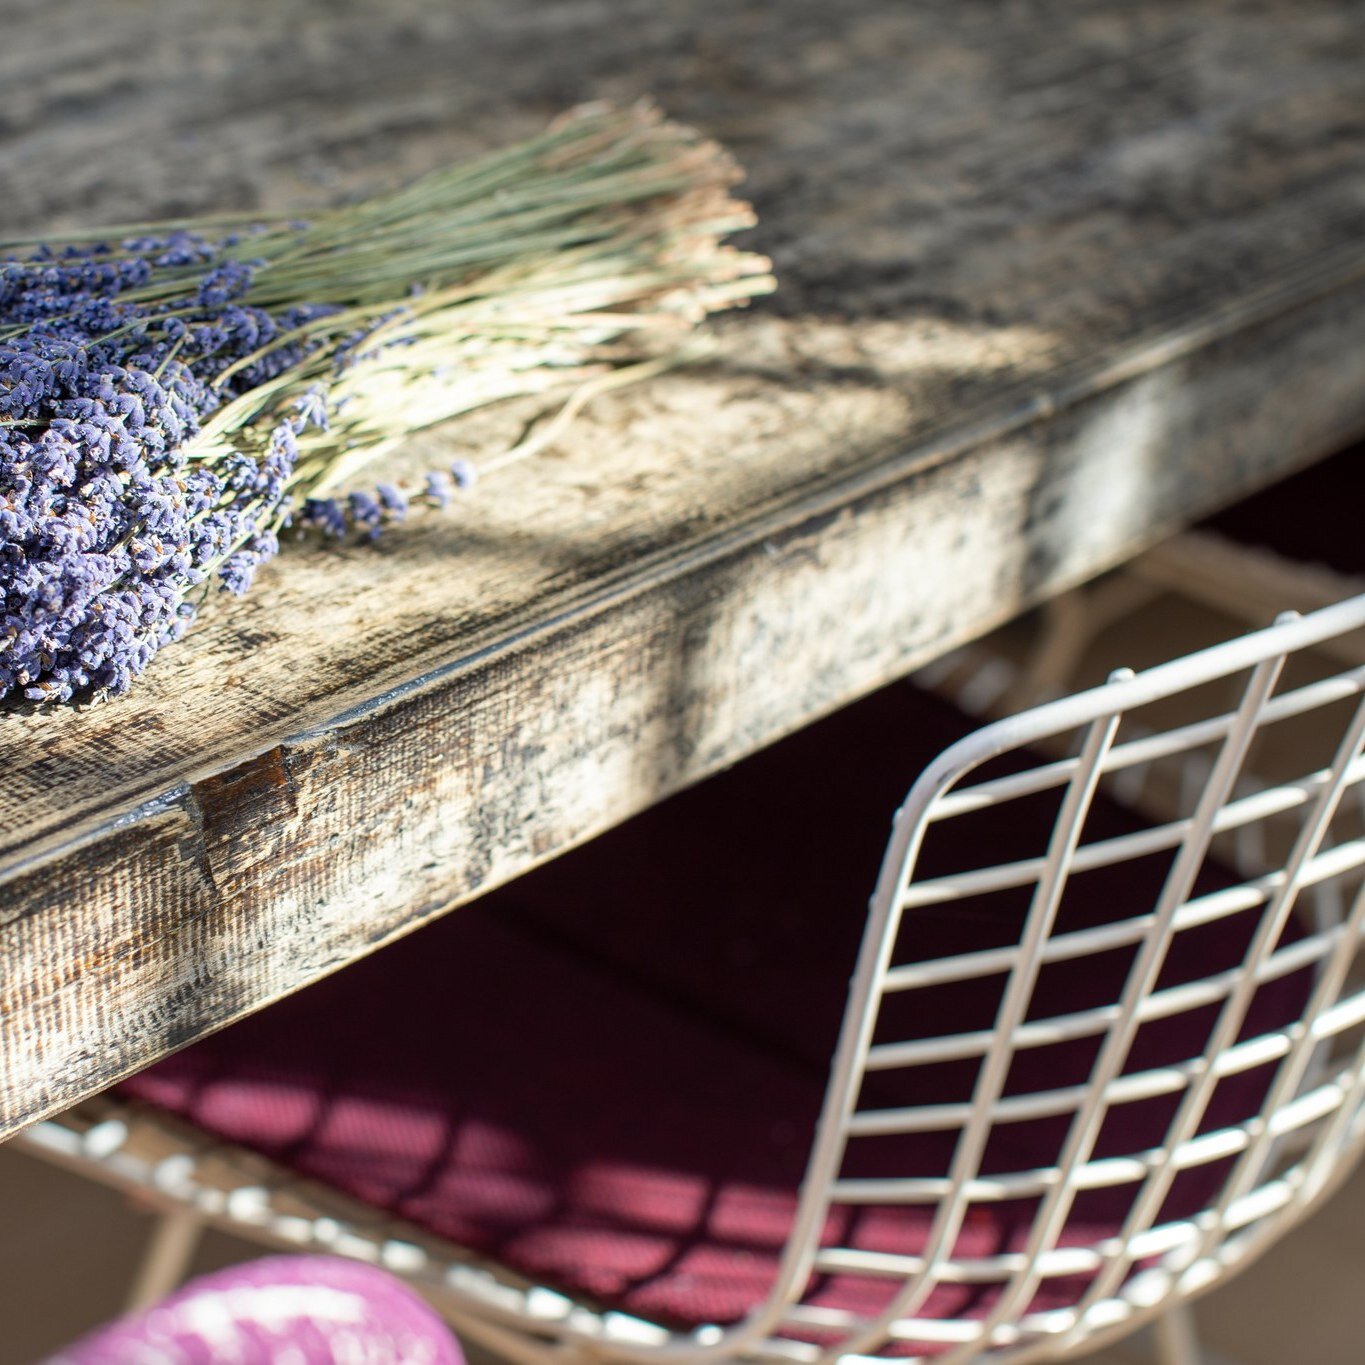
{"x":172,"y":396}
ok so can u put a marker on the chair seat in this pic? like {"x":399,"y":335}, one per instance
{"x":606,"y":1075}
{"x":1312,"y":517}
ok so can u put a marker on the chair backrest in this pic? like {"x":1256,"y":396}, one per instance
{"x":1142,"y":1059}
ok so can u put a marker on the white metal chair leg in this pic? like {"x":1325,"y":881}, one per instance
{"x":174,"y":1239}
{"x":1175,"y":1340}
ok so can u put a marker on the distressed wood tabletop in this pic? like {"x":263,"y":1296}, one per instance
{"x":1054,"y":280}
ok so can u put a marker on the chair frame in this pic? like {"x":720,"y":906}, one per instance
{"x":1285,"y":1160}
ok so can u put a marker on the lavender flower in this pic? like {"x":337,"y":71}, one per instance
{"x":437,"y":490}
{"x":106,"y":528}
{"x":324,"y":514}
{"x":394,"y":502}
{"x":366,"y":513}
{"x":171,"y":402}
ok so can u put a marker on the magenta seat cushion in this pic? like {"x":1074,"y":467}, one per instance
{"x":607,"y":1074}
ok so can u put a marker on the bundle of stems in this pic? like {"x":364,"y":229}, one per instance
{"x":172,"y":395}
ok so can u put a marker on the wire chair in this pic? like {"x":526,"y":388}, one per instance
{"x":1191,"y":1063}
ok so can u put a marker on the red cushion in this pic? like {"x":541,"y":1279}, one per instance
{"x":606,"y":1075}
{"x":1313,"y":516}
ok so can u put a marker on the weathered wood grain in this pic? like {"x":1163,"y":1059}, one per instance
{"x":1055,"y":279}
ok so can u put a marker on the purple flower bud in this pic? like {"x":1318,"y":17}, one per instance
{"x":325,"y":514}
{"x":312,"y":410}
{"x":393,"y":500}
{"x":437,"y":489}
{"x":366,"y":512}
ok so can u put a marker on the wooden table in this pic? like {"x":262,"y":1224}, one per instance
{"x":1055,"y":279}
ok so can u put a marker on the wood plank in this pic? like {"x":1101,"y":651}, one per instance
{"x":1054,"y":280}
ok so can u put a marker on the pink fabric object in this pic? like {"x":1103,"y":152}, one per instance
{"x":283,"y":1310}
{"x":606,"y":1075}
